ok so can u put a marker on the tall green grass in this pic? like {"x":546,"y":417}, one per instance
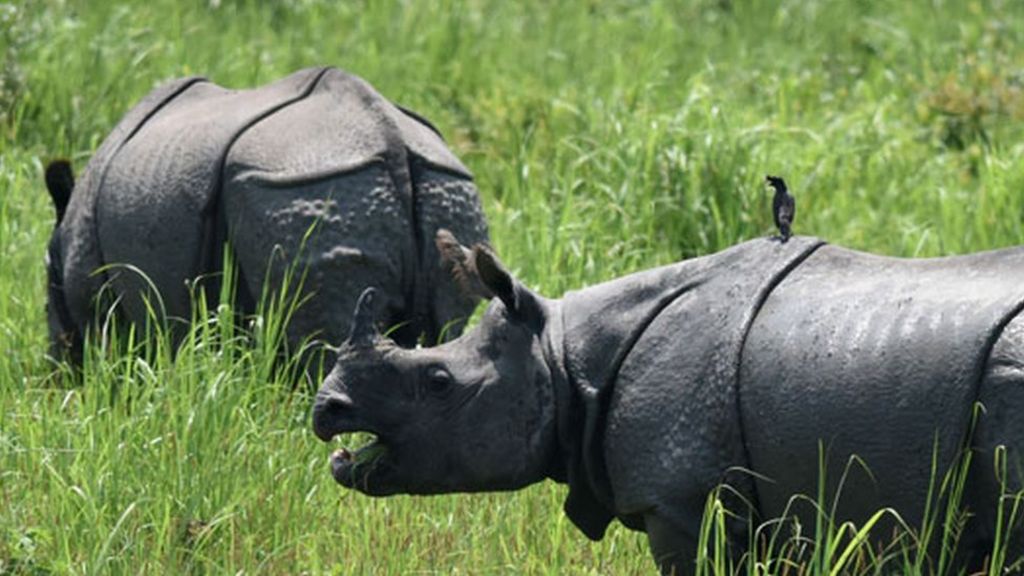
{"x":606,"y":137}
{"x":883,"y":543}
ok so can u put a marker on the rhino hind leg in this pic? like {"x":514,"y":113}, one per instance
{"x":1001,"y":425}
{"x":342,"y":234}
{"x":451,"y":202}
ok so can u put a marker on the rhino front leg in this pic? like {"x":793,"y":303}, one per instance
{"x":999,"y":430}
{"x":674,"y":548}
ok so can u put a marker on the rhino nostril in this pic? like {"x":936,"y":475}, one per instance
{"x":326,"y":410}
{"x":337,"y":400}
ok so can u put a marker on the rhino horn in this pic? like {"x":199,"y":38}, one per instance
{"x":364,"y":326}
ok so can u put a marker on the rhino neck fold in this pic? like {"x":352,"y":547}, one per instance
{"x":562,"y":396}
{"x":567,"y":463}
{"x":615,"y":315}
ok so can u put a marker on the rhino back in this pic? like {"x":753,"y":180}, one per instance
{"x":874,"y":356}
{"x":156,"y":207}
{"x":342,"y":125}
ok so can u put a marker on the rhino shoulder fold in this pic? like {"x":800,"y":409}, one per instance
{"x":424,"y":141}
{"x":414,"y":133}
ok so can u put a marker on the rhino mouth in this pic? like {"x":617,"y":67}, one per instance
{"x":355,"y":468}
{"x":367,"y":468}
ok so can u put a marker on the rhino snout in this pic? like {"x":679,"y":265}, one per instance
{"x":329,"y":414}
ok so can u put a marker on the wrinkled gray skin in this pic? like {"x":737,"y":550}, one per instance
{"x":647,"y":392}
{"x":319,"y":152}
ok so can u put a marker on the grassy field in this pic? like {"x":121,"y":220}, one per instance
{"x":606,"y":137}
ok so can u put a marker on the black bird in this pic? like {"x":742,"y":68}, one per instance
{"x":783,"y":206}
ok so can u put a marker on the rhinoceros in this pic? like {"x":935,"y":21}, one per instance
{"x":748,"y":368}
{"x":316,"y":168}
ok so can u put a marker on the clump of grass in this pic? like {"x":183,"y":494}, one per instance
{"x":137,"y":445}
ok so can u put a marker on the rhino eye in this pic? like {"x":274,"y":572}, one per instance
{"x":438,"y":380}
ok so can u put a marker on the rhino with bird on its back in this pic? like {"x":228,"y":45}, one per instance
{"x":317,"y":167}
{"x":646,"y":393}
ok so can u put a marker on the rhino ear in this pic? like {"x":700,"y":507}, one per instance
{"x":364,"y":326}
{"x":494,"y":276}
{"x":521,"y":303}
{"x":459,"y":262}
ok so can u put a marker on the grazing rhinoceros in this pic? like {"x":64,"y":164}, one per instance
{"x":320,"y":153}
{"x":647,"y":392}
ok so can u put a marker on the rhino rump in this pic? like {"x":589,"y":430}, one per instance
{"x":371,"y":185}
{"x":195,"y":164}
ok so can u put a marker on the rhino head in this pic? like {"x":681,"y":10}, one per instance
{"x":474,"y":414}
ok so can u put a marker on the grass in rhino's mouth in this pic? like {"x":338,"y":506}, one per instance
{"x":361,"y":447}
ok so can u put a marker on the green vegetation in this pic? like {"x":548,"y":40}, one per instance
{"x":606,"y":137}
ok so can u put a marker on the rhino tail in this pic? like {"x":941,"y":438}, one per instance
{"x":60,"y":181}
